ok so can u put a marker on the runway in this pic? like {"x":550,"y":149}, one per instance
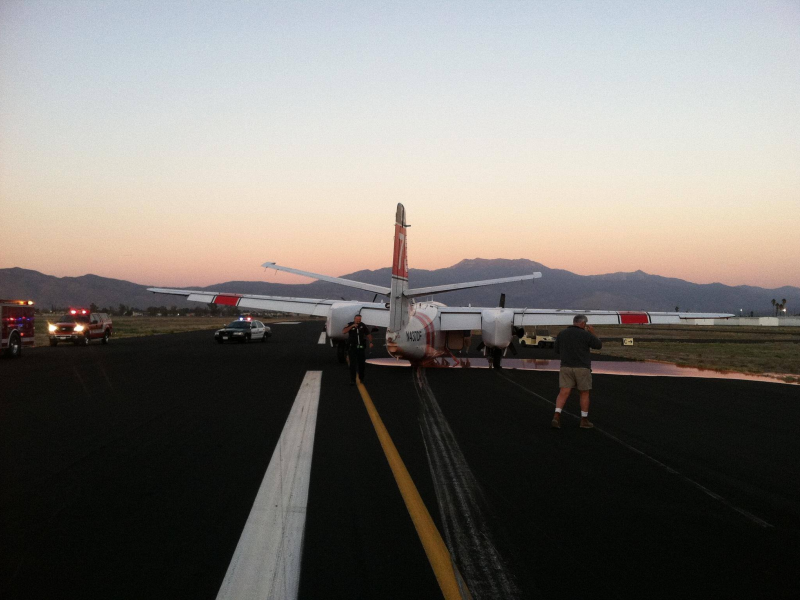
{"x":131,"y":471}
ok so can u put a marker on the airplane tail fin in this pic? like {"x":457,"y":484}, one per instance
{"x":398,"y":302}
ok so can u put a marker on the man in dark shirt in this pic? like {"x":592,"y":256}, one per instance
{"x":360,"y":336}
{"x":573,"y":346}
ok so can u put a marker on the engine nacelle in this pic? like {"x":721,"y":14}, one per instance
{"x":497,"y":327}
{"x":341,"y":314}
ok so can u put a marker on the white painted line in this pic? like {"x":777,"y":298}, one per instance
{"x":322,"y":338}
{"x":266,"y":563}
{"x":287,"y":323}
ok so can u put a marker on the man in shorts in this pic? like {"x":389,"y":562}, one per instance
{"x":573,"y":346}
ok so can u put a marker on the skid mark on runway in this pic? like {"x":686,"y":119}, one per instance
{"x":449,"y":579}
{"x":462,"y":505}
{"x":266,"y":563}
{"x":747,"y":515}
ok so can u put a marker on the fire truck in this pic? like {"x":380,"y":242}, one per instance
{"x":16,"y":317}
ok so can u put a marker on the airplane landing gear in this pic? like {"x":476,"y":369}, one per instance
{"x":497,"y":357}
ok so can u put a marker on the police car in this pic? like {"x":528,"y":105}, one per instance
{"x":243,"y":330}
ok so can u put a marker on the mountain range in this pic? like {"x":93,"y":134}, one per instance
{"x":556,"y":289}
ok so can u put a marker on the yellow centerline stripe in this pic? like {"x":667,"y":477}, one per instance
{"x":432,"y":541}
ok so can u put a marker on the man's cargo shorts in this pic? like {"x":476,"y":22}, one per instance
{"x":575,"y":377}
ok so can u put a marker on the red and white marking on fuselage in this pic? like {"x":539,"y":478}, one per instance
{"x":633,"y":318}
{"x":227,"y":299}
{"x":430,"y":334}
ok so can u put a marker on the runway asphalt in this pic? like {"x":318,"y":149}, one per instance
{"x":129,"y":471}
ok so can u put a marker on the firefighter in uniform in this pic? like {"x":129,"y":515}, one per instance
{"x":360,"y":336}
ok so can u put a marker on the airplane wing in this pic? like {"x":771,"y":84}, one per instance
{"x":438,"y":289}
{"x":374,"y":314}
{"x":464,"y":318}
{"x":378,"y":289}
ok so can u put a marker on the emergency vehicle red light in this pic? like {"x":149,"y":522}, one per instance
{"x":73,"y":312}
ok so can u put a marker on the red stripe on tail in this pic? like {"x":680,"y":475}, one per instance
{"x":400,"y":257}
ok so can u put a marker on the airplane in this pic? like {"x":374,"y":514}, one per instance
{"x":422,"y":332}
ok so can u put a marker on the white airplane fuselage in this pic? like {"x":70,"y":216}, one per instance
{"x":420,"y":339}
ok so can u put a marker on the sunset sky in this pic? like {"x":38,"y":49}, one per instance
{"x":185,"y":143}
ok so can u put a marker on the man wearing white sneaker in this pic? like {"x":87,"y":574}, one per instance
{"x":573,"y":345}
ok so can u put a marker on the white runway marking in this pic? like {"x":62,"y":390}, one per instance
{"x":287,"y":323}
{"x":747,"y":515}
{"x":322,"y":338}
{"x":266,"y":563}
